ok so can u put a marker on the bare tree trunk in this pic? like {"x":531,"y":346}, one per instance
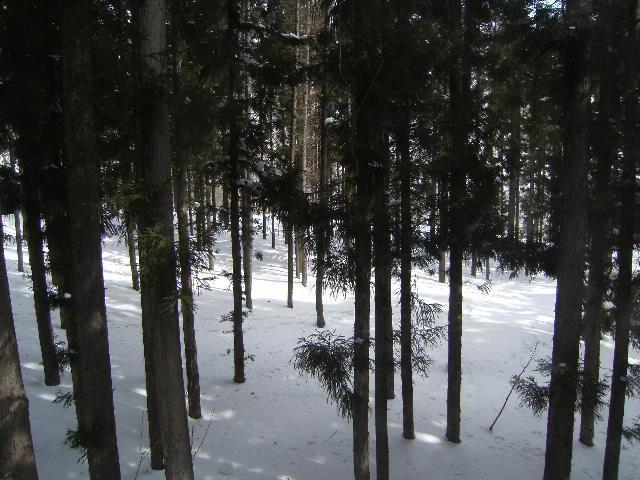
{"x":569,"y":293}
{"x":17,"y":223}
{"x":599,"y":226}
{"x":17,"y":459}
{"x":406,"y":367}
{"x":236,"y":94}
{"x":35,"y":246}
{"x":247,"y":243}
{"x":133,"y":257}
{"x":92,"y":386}
{"x":157,"y":257}
{"x":624,"y":302}
{"x":289,"y":241}
{"x":383,"y":341}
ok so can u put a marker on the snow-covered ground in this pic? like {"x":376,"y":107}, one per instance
{"x":278,"y":425}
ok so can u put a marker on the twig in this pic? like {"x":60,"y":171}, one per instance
{"x":533,"y":354}
{"x":203,"y":437}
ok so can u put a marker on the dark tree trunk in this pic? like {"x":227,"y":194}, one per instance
{"x":289,"y":241}
{"x":184,"y":257}
{"x":19,"y":240}
{"x":600,"y":253}
{"x":624,"y":300}
{"x":157,"y":255}
{"x":406,"y":367}
{"x":264,"y":222}
{"x":17,"y":459}
{"x":247,"y":243}
{"x":323,"y":171}
{"x":459,"y":78}
{"x":383,"y":326}
{"x":92,"y":386}
{"x":133,"y":256}
{"x":35,"y":246}
{"x":569,"y":293}
{"x":236,"y":93}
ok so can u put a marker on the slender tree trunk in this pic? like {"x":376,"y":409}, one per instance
{"x":247,"y":243}
{"x":184,"y":257}
{"x":383,"y":342}
{"x":133,"y":257}
{"x":624,"y":301}
{"x":459,"y":93}
{"x":323,"y":170}
{"x":92,"y":389}
{"x":157,"y":257}
{"x":406,"y":367}
{"x":600,"y":254}
{"x":569,"y":293}
{"x":35,"y":246}
{"x":186,"y":294}
{"x":289,"y":242}
{"x":17,"y":459}
{"x":19,"y":240}
{"x":236,"y":94}
{"x":264,"y":222}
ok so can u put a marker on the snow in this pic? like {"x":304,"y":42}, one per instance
{"x":278,"y":425}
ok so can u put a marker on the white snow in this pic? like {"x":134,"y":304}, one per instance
{"x":279,"y":425}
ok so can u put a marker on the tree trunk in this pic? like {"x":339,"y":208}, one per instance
{"x":236,"y":94}
{"x":157,"y":255}
{"x":459,"y":80}
{"x":35,"y":246}
{"x":406,"y":368}
{"x":383,"y":325}
{"x":600,"y":254}
{"x":247,"y":243}
{"x":289,"y":242}
{"x":624,"y":301}
{"x":569,"y":292}
{"x":17,"y":459}
{"x":92,"y":387}
{"x":133,"y":257}
{"x":184,"y":257}
{"x":186,"y":293}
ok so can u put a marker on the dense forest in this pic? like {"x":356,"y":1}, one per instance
{"x":373,"y":158}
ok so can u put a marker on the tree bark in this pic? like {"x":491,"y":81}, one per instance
{"x":383,"y":325}
{"x":236,"y":93}
{"x":247,"y":243}
{"x":92,"y":387}
{"x":569,"y":292}
{"x":35,"y":246}
{"x":600,"y":253}
{"x":157,"y":254}
{"x":17,"y":459}
{"x":133,"y":256}
{"x":184,"y":257}
{"x":624,"y":300}
{"x":406,"y":367}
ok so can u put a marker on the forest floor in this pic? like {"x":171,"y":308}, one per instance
{"x":278,"y":425}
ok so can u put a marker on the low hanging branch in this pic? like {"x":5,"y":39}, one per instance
{"x":514,"y":383}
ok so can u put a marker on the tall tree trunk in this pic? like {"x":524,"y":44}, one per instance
{"x":406,"y":368}
{"x":600,"y":253}
{"x":17,"y":459}
{"x":157,"y":255}
{"x":92,"y":386}
{"x":459,"y":80}
{"x":624,"y":301}
{"x":383,"y":326}
{"x":569,"y":293}
{"x":513,"y":162}
{"x":35,"y":246}
{"x":186,"y":294}
{"x":236,"y":93}
{"x":323,"y":171}
{"x":184,"y":257}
